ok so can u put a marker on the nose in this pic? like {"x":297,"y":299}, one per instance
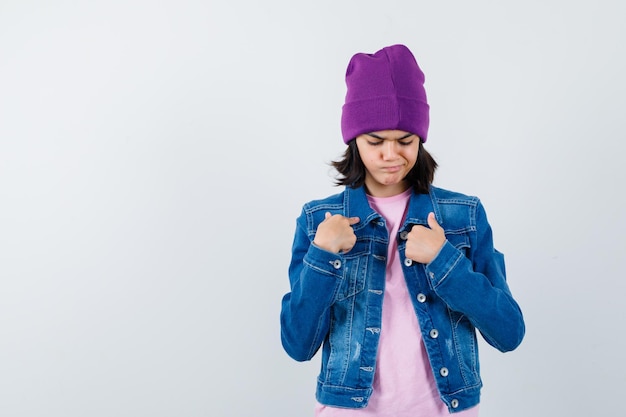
{"x":390,"y":149}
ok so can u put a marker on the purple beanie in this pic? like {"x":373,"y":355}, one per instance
{"x":385,"y":92}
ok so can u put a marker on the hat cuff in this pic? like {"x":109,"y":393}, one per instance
{"x":384,"y":113}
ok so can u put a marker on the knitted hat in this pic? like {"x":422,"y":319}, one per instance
{"x":385,"y":92}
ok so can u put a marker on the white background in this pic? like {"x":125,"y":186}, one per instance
{"x":155,"y":154}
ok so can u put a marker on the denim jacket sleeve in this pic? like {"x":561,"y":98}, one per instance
{"x":315,"y":276}
{"x":475,"y":285}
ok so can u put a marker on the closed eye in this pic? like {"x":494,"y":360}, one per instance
{"x":375,"y":140}
{"x":380,"y":142}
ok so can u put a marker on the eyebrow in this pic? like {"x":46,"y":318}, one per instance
{"x":381,"y":138}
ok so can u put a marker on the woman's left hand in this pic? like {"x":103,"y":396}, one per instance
{"x":424,"y":243}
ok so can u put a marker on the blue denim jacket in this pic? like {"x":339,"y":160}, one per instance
{"x":336,"y":299}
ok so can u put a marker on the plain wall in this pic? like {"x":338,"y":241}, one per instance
{"x":155,"y":154}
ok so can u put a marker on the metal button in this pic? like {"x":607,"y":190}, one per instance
{"x":421,"y":298}
{"x":454,"y":403}
{"x":434,"y":333}
{"x":432,"y":275}
{"x":443,"y":372}
{"x":337,"y":263}
{"x":408,"y":262}
{"x":404,"y":234}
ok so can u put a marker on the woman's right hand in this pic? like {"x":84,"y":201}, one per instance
{"x":335,"y":233}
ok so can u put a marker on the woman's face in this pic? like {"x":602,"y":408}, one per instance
{"x":388,"y":156}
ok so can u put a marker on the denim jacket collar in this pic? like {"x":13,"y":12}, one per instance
{"x":356,"y":204}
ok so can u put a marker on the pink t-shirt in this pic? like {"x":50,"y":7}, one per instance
{"x":403,"y":383}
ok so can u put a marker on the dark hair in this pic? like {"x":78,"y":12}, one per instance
{"x":352,"y":170}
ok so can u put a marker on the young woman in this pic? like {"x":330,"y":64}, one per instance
{"x":392,"y":276}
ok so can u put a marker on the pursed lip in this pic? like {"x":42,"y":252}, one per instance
{"x":393,"y":168}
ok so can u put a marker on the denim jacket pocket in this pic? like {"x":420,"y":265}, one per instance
{"x":355,"y":270}
{"x":466,"y":346}
{"x":460,"y":240}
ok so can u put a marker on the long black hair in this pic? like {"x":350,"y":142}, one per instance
{"x":352,"y":170}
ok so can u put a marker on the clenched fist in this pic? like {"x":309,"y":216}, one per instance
{"x":423,"y":243}
{"x":335,"y":233}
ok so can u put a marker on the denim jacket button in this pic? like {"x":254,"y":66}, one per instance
{"x":443,"y":372}
{"x":454,"y":403}
{"x":404,"y":234}
{"x":408,"y":262}
{"x":336,"y":264}
{"x":434,"y":333}
{"x":421,"y":298}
